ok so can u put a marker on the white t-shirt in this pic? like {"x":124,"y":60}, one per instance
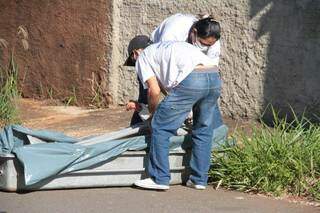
{"x":176,"y":28}
{"x":170,"y":62}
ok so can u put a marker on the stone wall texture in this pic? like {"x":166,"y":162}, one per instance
{"x":69,"y":41}
{"x":270,"y":51}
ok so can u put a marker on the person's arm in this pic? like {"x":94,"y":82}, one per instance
{"x":153,"y":94}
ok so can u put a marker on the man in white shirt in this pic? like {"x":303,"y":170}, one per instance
{"x":193,"y":81}
{"x":203,"y":33}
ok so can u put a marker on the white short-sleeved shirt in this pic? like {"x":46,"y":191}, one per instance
{"x":170,"y":62}
{"x":176,"y":28}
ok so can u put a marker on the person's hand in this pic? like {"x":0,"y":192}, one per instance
{"x":133,"y":105}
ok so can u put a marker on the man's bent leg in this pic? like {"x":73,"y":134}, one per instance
{"x":169,"y":116}
{"x":166,"y":120}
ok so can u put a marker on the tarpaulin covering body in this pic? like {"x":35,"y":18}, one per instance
{"x":55,"y":153}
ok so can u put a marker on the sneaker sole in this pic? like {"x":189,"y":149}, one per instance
{"x":163,"y":187}
{"x":192,"y":185}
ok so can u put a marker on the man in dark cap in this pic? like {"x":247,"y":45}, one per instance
{"x":138,"y":42}
{"x":193,"y":82}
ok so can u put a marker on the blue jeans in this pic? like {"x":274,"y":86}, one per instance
{"x":200,"y":91}
{"x":143,"y":98}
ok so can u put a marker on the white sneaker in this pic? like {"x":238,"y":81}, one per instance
{"x":150,"y":184}
{"x":195,"y":186}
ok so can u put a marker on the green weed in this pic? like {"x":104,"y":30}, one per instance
{"x":50,"y":93}
{"x":72,"y":99}
{"x":9,"y":92}
{"x":281,"y":160}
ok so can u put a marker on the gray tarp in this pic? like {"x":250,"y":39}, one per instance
{"x":55,"y":153}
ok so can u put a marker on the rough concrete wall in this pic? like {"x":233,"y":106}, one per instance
{"x":68,"y":45}
{"x":292,"y":72}
{"x":270,"y":50}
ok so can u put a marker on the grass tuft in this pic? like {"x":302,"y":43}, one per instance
{"x":72,"y":99}
{"x":281,"y":160}
{"x":9,"y":93}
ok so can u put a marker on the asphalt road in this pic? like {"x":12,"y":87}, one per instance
{"x":126,"y":199}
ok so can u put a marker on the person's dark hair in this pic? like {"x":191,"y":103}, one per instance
{"x":207,"y":27}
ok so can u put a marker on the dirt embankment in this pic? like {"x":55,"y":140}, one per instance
{"x":68,"y":47}
{"x":71,"y":120}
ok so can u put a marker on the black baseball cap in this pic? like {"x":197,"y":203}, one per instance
{"x":138,"y":42}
